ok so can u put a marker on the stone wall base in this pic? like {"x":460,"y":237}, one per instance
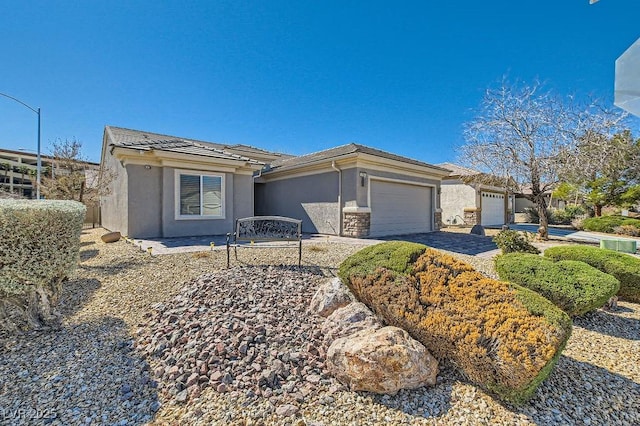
{"x":356,"y":225}
{"x":437,"y":221}
{"x":472,"y":217}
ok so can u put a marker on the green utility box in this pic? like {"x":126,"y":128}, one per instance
{"x":626,"y":246}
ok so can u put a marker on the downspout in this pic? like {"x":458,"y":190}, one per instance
{"x":334,"y":167}
{"x":257,"y":176}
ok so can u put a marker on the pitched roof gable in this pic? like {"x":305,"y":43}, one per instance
{"x":342,"y":151}
{"x":457,"y":170}
{"x":148,"y":141}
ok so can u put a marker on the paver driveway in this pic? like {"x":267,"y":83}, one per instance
{"x":451,"y":241}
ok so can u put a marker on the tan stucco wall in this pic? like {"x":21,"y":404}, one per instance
{"x":114,"y":207}
{"x":454,"y":197}
{"x":145,"y":206}
{"x":312,"y":198}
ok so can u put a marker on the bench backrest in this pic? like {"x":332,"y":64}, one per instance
{"x":268,"y":228}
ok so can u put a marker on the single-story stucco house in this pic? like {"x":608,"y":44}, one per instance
{"x":470,"y":197}
{"x":353,"y":190}
{"x":168,"y":186}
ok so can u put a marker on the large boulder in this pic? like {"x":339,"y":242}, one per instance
{"x":329,"y":297}
{"x":381,"y":361}
{"x":502,"y":336}
{"x":348,"y":320}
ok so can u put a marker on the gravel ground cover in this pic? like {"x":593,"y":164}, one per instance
{"x":265,"y":359}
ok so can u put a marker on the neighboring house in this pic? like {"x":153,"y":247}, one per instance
{"x":353,"y":190}
{"x":470,"y":197}
{"x":167,"y":186}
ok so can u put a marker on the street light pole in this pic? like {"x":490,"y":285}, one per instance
{"x":39,"y":159}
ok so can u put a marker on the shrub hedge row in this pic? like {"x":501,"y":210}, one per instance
{"x":608,"y":223}
{"x":625,"y":268}
{"x":503,"y":337}
{"x":574,"y":287}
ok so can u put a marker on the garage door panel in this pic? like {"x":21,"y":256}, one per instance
{"x":398,"y":208}
{"x":492,"y":209}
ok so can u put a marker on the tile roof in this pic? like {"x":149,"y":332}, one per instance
{"x":457,"y":170}
{"x":341,"y":151}
{"x":147,"y":141}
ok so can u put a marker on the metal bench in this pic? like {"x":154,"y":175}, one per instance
{"x":260,"y":229}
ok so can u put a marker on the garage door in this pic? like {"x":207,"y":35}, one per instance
{"x":399,"y":208}
{"x":492,"y":209}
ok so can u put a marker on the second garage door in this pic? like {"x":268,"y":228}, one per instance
{"x":399,"y":208}
{"x":492,"y":209}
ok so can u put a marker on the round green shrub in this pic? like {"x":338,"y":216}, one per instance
{"x":625,"y":268}
{"x":573,"y":286}
{"x":502,"y":336}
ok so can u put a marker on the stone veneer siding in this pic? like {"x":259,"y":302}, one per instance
{"x":356,"y":224}
{"x":437,"y":220}
{"x":471,"y":216}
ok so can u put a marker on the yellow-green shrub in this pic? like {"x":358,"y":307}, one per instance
{"x":502,"y":336}
{"x":39,"y":245}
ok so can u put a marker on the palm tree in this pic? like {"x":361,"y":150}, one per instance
{"x":6,"y":167}
{"x":23,"y":170}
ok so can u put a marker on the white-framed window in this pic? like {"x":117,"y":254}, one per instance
{"x":199,"y":195}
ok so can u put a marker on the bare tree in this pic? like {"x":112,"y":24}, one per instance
{"x":73,"y":178}
{"x":524,"y":134}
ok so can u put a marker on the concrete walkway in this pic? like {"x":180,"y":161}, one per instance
{"x":218,"y":242}
{"x":455,"y":242}
{"x":464,"y":243}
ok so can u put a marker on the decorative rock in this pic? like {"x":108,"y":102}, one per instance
{"x":478,"y":230}
{"x":381,"y":361}
{"x":329,"y":297}
{"x":348,"y":320}
{"x":192,"y":380}
{"x":286,"y":410}
{"x":182,"y":396}
{"x":111,"y":237}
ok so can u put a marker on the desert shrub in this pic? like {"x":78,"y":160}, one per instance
{"x":503,"y":337}
{"x":567,"y":215}
{"x":608,"y":223}
{"x":573,"y":286}
{"x":630,"y":230}
{"x":556,"y":216}
{"x":510,"y":241}
{"x":623,"y":267}
{"x":39,"y":246}
{"x":532,"y":214}
{"x":577,"y":223}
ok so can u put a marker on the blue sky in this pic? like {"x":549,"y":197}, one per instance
{"x":294,"y":77}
